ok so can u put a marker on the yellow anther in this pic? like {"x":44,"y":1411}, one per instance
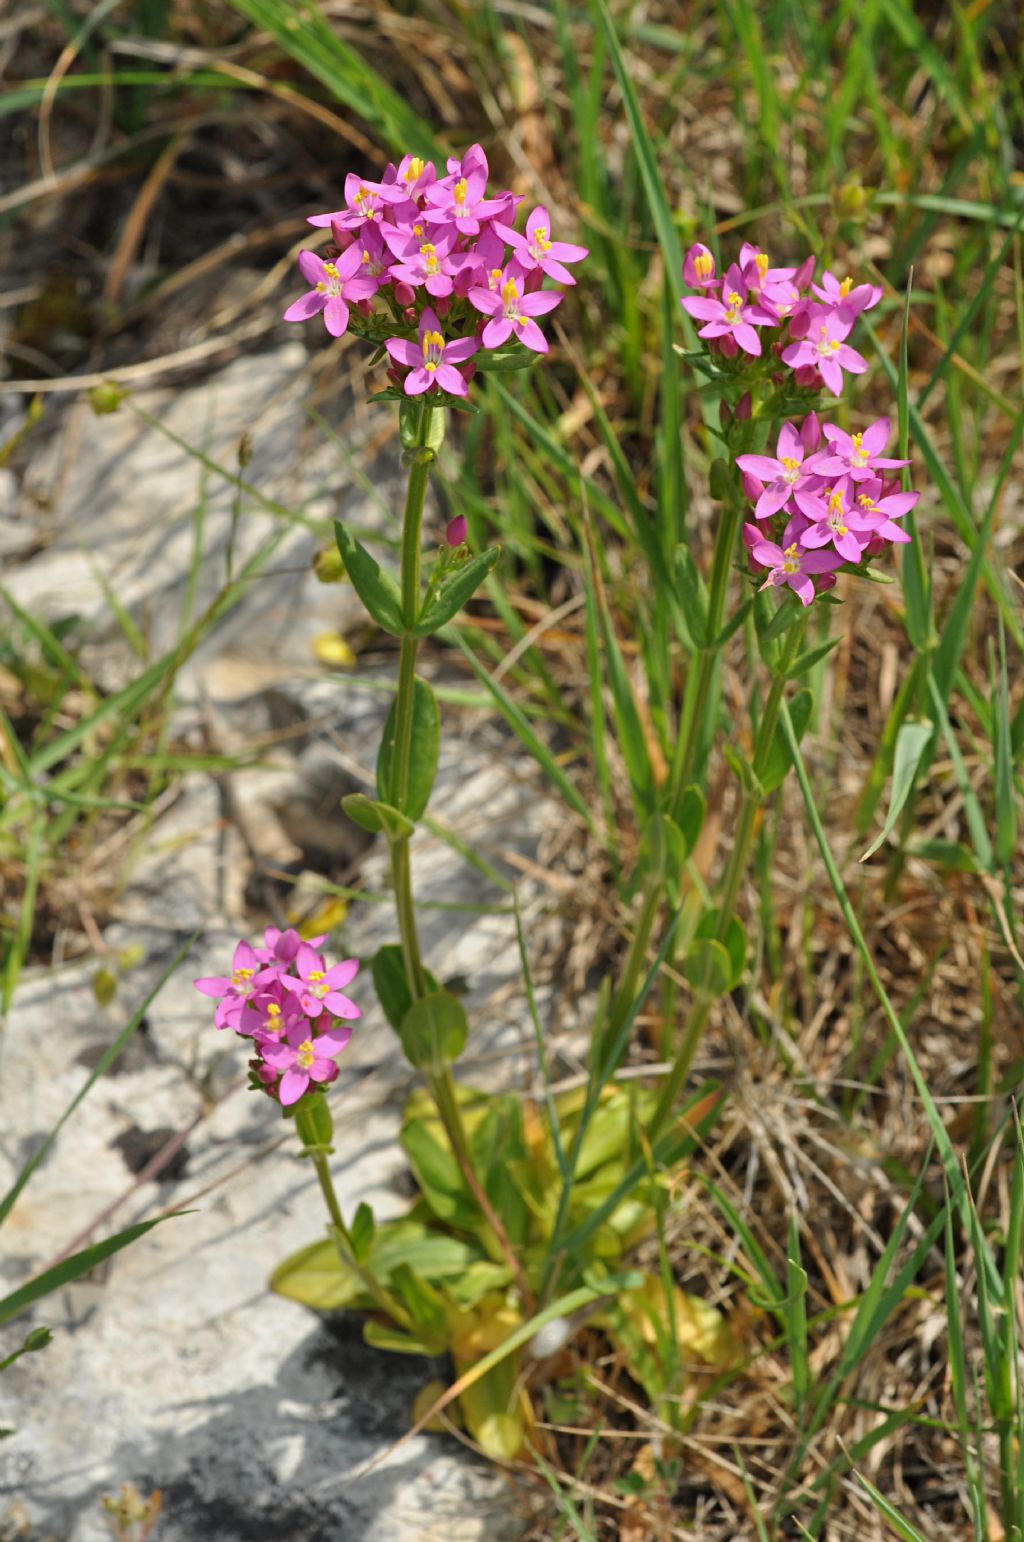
{"x":305,"y":1055}
{"x":704,"y":265}
{"x":762,"y":263}
{"x":321,"y":288}
{"x":459,"y":194}
{"x":790,"y":463}
{"x":417,"y":230}
{"x":835,"y":501}
{"x":845,"y":287}
{"x":734,"y":298}
{"x":361,"y":195}
{"x":330,"y":270}
{"x":791,"y":551}
{"x":414,"y":170}
{"x":315,"y":975}
{"x":510,"y":291}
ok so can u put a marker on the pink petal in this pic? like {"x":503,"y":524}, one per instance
{"x":293,"y":1085}
{"x":497,"y":331}
{"x":310,"y":304}
{"x":531,"y":335}
{"x":449,"y":379}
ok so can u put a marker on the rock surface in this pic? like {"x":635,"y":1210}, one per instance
{"x":173,"y":1366}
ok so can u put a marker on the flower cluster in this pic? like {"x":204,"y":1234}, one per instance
{"x":285,"y":999}
{"x":823,"y":499}
{"x":813,"y":320}
{"x":418,"y":252}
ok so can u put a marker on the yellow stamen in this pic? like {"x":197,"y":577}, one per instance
{"x":845,"y":287}
{"x":789,"y":463}
{"x":330,"y":270}
{"x":305,"y":1055}
{"x":459,"y":194}
{"x":704,"y":265}
{"x":414,"y":170}
{"x":762,"y":263}
{"x":510,"y":291}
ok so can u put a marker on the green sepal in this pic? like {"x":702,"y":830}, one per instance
{"x":434,"y":1030}
{"x":374,"y":585}
{"x":377,"y":817}
{"x":453,"y":592}
{"x":409,"y":426}
{"x":424,"y":749}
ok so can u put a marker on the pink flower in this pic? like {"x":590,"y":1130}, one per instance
{"x":789,"y":563}
{"x":699,"y":268}
{"x":825,"y":349}
{"x":269,"y":1015}
{"x":535,"y":249}
{"x":334,"y":284}
{"x":842,"y":523}
{"x":425,"y":263}
{"x":319,"y":988}
{"x":730,"y":319}
{"x":283,"y":946}
{"x":842,"y":292}
{"x":246,"y":977}
{"x":786,"y":476}
{"x":459,"y":198}
{"x":432,"y":364}
{"x":366,"y":201}
{"x":857,"y":455}
{"x":512,"y":310}
{"x":301,"y":1059}
{"x":881,"y":507}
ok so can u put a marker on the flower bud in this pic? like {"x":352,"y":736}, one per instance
{"x":442,"y":306}
{"x":875,"y":546}
{"x":804,"y":273}
{"x":405,"y":294}
{"x":343,"y":238}
{"x":457,"y":530}
{"x":106,"y":397}
{"x":810,"y":432}
{"x":743,"y":408}
{"x":806,"y":375}
{"x":699,"y":267}
{"x":328,"y":566}
{"x":824,"y":581}
{"x":751,"y":485}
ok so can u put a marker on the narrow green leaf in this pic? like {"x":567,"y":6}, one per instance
{"x":454,"y":591}
{"x":911,"y":743}
{"x":424,"y":750}
{"x":73,"y":1268}
{"x":377,"y":589}
{"x":375,"y":816}
{"x":779,"y":759}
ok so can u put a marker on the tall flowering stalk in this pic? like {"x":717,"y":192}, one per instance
{"x":815,"y":502}
{"x":426,"y":264}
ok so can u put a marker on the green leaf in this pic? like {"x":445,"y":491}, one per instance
{"x":362,"y":1231}
{"x":73,"y":1268}
{"x":424,"y":1304}
{"x":662,"y":854}
{"x":690,"y":816}
{"x":453,"y":592}
{"x":375,"y":587}
{"x":375,"y":816}
{"x":911,"y":742}
{"x":708,"y":968}
{"x":381,"y":1335}
{"x":693,"y":594}
{"x":779,"y":758}
{"x":439,"y":1177}
{"x":317,"y":1277}
{"x":409,"y":420}
{"x":424,"y":749}
{"x":806,"y":661}
{"x":734,"y":941}
{"x":392,"y":985}
{"x":434,"y":1029}
{"x":505,"y":360}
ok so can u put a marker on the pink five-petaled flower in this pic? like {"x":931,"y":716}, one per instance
{"x":459,"y":199}
{"x":423,"y":262}
{"x":536,"y":249}
{"x":790,"y":563}
{"x":512,"y":310}
{"x":857,"y":455}
{"x":825,"y":349}
{"x":365,"y":200}
{"x":334,"y":284}
{"x":788,"y":475}
{"x":731,"y":316}
{"x":699,"y":268}
{"x":319,"y":988}
{"x":433,"y":363}
{"x":247,"y":975}
{"x":843,"y":523}
{"x":881,"y":508}
{"x":269,"y":1015}
{"x":843,"y":292}
{"x":301,"y":1059}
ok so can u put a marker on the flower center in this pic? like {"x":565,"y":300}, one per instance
{"x":836,"y":513}
{"x":867,"y":502}
{"x":273,"y":1022}
{"x":540,"y":243}
{"x":414,"y":170}
{"x":242,"y":977}
{"x":860,"y":455}
{"x":433,"y":347}
{"x":826,"y":344}
{"x":459,"y":194}
{"x":330,"y":283}
{"x":430,"y":258}
{"x":792,"y":468}
{"x":304,"y":1055}
{"x":791,"y":559}
{"x":704,"y":265}
{"x":762,"y":263}
{"x":510,"y":297}
{"x":494,"y":279}
{"x":845,"y":287}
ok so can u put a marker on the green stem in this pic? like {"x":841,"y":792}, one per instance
{"x":342,"y":1239}
{"x":732,"y":878}
{"x":626,"y":993}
